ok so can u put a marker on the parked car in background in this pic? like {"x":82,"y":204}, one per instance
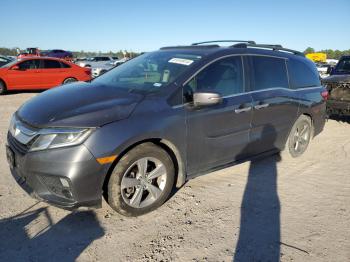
{"x":323,"y":69}
{"x":338,"y":86}
{"x":101,"y":69}
{"x":138,"y":130}
{"x":40,"y":73}
{"x":29,"y":52}
{"x":96,"y":61}
{"x":4,"y":60}
{"x":101,"y":64}
{"x":58,"y":53}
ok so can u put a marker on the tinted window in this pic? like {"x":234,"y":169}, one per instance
{"x":97,"y":59}
{"x":343,"y":65}
{"x":303,"y":74}
{"x":64,"y":65}
{"x":29,"y":64}
{"x":224,"y":77}
{"x":269,"y":72}
{"x":51,"y":64}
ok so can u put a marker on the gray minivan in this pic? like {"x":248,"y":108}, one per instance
{"x":150,"y":124}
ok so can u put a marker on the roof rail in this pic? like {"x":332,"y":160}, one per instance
{"x":272,"y":47}
{"x":225,"y":41}
{"x":186,"y":47}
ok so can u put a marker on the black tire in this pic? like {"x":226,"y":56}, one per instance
{"x":300,"y":136}
{"x":102,"y":72}
{"x":120,"y":199}
{"x":3,"y":89}
{"x":69,"y":80}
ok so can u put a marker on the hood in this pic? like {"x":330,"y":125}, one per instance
{"x":337,"y":79}
{"x":78,"y":105}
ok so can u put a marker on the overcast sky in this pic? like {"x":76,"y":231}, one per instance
{"x":105,"y":25}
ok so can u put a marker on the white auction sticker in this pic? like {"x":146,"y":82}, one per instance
{"x":181,"y":61}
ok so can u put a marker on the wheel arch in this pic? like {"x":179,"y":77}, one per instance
{"x":2,"y":80}
{"x":168,"y":146}
{"x":69,"y":78}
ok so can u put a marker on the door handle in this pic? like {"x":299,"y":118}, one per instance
{"x":241,"y":110}
{"x":261,"y":106}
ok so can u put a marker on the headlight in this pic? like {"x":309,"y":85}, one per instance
{"x":12,"y":128}
{"x":54,"y":138}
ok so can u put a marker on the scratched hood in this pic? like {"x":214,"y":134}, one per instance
{"x":79,"y":105}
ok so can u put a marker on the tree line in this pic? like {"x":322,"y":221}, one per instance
{"x":331,"y":54}
{"x":82,"y":53}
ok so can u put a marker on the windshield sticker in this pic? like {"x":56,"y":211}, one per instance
{"x":181,"y":61}
{"x":157,"y":84}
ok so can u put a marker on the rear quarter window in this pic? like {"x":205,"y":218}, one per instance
{"x":269,"y":72}
{"x":64,"y":65}
{"x":51,"y":64}
{"x":303,"y":74}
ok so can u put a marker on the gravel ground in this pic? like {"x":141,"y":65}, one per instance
{"x":265,"y":210}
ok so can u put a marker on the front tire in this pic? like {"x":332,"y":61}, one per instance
{"x":300,"y":136}
{"x":141,"y":181}
{"x":3,"y":89}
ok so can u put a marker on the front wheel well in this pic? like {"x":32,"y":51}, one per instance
{"x":2,"y":81}
{"x":4,"y":89}
{"x":173,"y":152}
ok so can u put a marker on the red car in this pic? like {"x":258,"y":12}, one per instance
{"x":40,"y":73}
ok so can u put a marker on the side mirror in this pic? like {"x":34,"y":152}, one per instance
{"x":16,"y":67}
{"x":206,"y":99}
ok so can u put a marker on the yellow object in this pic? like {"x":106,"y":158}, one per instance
{"x":106,"y":160}
{"x":317,"y":57}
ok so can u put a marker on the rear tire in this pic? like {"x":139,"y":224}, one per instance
{"x":69,"y":80}
{"x":141,"y":181}
{"x":300,"y":136}
{"x":3,"y":89}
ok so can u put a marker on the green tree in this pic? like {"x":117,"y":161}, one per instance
{"x":309,"y":50}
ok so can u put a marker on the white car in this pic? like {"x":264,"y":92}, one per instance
{"x":103,"y":68}
{"x":96,"y":61}
{"x":323,"y":70}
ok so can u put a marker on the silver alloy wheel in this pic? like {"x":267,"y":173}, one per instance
{"x":301,"y":137}
{"x":143,"y":182}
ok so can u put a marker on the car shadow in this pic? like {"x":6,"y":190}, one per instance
{"x":259,"y":234}
{"x":25,"y":237}
{"x":16,"y":92}
{"x":345,"y":119}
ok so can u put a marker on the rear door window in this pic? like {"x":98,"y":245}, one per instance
{"x":303,"y":74}
{"x":50,"y":64}
{"x":269,"y":72}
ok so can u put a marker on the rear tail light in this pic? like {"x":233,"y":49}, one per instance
{"x":88,"y":71}
{"x":325,"y":95}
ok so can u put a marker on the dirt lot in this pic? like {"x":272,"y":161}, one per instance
{"x":266,"y":210}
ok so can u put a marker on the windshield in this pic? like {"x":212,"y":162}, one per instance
{"x":149,"y":72}
{"x":10,"y":64}
{"x":343,"y":65}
